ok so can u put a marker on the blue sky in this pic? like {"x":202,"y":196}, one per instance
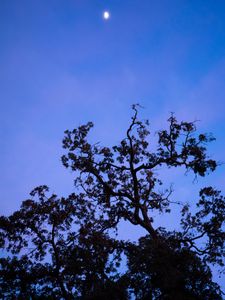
{"x":61,"y":65}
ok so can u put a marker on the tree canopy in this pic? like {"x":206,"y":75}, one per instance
{"x":63,"y":248}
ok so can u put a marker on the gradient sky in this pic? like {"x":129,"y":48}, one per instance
{"x":62,"y":65}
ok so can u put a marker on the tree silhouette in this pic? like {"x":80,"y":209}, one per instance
{"x":61,"y":248}
{"x":168,"y":272}
{"x":123,"y":181}
{"x":58,"y":250}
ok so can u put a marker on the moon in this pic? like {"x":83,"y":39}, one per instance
{"x":106,"y":15}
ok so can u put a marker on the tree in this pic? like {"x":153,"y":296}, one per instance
{"x":58,"y":251}
{"x":172,"y":272}
{"x":72,"y":254}
{"x":123,"y":182}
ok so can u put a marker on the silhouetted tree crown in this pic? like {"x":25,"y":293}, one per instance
{"x":62,"y":248}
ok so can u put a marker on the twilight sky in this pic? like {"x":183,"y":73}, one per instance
{"x":62,"y":65}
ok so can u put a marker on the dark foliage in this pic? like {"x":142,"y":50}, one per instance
{"x":61,"y":248}
{"x":166,"y":271}
{"x":57,"y":250}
